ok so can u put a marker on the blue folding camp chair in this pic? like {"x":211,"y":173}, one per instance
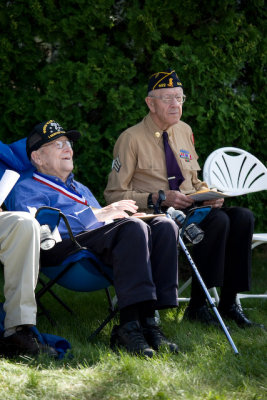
{"x":81,"y":271}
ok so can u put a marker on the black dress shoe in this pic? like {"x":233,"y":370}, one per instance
{"x":130,"y":337}
{"x":236,"y":314}
{"x":155,"y":338}
{"x":201,"y":314}
{"x":24,"y":342}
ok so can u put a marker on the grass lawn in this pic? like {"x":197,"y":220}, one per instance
{"x":206,"y":367}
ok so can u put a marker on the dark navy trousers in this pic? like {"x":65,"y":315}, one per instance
{"x":223,"y":258}
{"x":143,"y":257}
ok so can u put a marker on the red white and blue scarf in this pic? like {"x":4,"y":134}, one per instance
{"x":60,"y":188}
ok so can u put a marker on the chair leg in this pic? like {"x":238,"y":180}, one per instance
{"x":249,"y":296}
{"x":47,"y":288}
{"x":56,"y":297}
{"x":215,"y":295}
{"x":182,"y":288}
{"x":104,"y":323}
{"x":61,"y":302}
{"x":110,"y":302}
{"x":238,"y":302}
{"x":255,"y":243}
{"x":187,"y":299}
{"x":113,"y":309}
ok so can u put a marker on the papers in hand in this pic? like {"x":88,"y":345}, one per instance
{"x":7,"y":182}
{"x":147,"y":217}
{"x":210,"y":194}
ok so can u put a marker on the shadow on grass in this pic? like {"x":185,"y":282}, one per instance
{"x":91,"y":308}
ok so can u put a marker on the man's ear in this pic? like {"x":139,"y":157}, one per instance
{"x":35,"y":156}
{"x":150,"y":103}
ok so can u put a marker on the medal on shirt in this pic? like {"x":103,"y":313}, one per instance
{"x":185,"y":155}
{"x":60,"y":188}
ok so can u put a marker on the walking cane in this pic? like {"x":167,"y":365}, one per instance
{"x":157,"y":208}
{"x":211,"y":302}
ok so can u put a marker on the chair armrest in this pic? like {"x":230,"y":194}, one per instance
{"x":48,"y":216}
{"x":51,"y":216}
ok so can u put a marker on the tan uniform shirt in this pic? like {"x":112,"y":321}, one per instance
{"x":139,"y":165}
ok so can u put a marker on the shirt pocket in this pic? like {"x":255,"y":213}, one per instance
{"x":151,"y":163}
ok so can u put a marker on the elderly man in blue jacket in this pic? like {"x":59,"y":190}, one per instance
{"x":144,"y":264}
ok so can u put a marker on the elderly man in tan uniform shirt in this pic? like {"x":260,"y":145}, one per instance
{"x":139,"y":171}
{"x":140,"y":168}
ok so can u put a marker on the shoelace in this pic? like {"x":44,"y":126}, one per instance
{"x":208,"y":315}
{"x":137,"y":336}
{"x":156,"y":330}
{"x":239,"y":309}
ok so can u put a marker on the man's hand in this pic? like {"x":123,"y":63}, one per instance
{"x":116,"y":210}
{"x":216,"y":203}
{"x":1,"y":209}
{"x":176,"y":199}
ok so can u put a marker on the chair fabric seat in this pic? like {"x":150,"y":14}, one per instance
{"x":82,"y":277}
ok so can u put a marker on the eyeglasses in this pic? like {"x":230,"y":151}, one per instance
{"x":59,"y":144}
{"x":168,"y":99}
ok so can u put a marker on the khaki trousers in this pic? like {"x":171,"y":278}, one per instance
{"x":19,"y":253}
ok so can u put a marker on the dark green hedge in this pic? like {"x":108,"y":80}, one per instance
{"x":85,"y":64}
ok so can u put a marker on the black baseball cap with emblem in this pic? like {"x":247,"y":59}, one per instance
{"x":164,"y":80}
{"x":46,"y":132}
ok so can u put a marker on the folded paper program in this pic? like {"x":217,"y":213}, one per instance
{"x":7,"y":182}
{"x":210,"y":194}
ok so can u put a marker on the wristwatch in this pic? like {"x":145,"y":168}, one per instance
{"x":150,"y":203}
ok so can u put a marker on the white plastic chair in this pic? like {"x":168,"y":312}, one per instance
{"x":237,"y":172}
{"x":234,"y":170}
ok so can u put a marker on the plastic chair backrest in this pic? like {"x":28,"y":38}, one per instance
{"x":235,"y":170}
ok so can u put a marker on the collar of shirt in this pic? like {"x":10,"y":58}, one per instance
{"x":57,"y":179}
{"x":155,"y":131}
{"x":70,"y":183}
{"x":74,"y":187}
